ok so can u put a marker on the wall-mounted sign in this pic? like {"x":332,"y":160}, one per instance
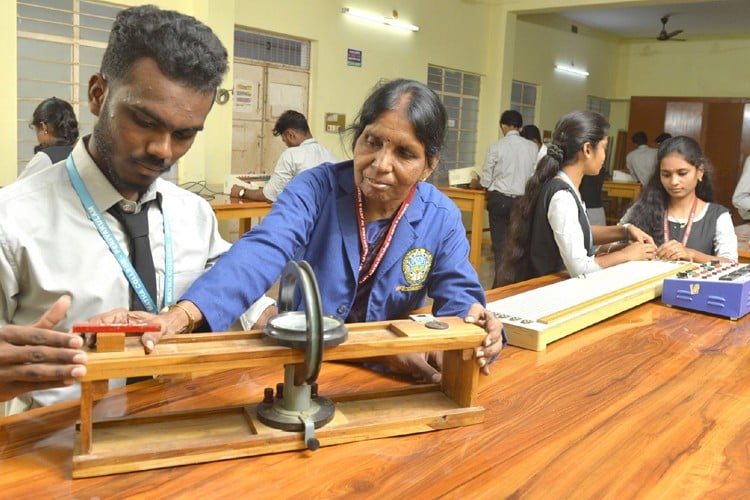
{"x":244,"y":95}
{"x":354,"y":57}
{"x":335,"y":122}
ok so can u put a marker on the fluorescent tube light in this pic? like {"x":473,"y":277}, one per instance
{"x":374,"y":18}
{"x":571,"y":70}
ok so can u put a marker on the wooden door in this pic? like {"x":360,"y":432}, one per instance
{"x":647,"y":115}
{"x":722,"y":146}
{"x":684,"y":118}
{"x":247,"y":118}
{"x":286,"y":89}
{"x":261,"y":94}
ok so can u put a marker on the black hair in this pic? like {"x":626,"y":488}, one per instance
{"x":648,"y":210}
{"x":59,"y":114}
{"x":639,"y":138}
{"x":291,"y":119}
{"x":422,"y":107}
{"x":511,"y":117}
{"x":662,"y":137}
{"x":571,"y":133}
{"x":183,"y":48}
{"x":531,"y":132}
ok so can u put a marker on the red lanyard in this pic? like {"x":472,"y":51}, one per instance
{"x":388,"y":235}
{"x":689,"y":223}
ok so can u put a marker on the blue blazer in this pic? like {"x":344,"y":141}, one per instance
{"x":315,"y":219}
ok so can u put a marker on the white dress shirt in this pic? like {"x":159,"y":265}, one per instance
{"x":49,"y":247}
{"x":293,"y":161}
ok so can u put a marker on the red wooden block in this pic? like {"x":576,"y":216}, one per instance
{"x":116,"y":327}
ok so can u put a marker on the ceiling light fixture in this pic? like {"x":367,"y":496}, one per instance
{"x":390,"y":21}
{"x":571,"y":70}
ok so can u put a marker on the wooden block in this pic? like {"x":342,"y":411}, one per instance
{"x":116,"y":327}
{"x":86,"y":432}
{"x":110,"y":341}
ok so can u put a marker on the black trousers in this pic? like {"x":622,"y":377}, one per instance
{"x":499,"y":207}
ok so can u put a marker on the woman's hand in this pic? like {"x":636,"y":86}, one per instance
{"x":673,"y":250}
{"x":495,"y":340}
{"x":636,"y":234}
{"x":639,"y":251}
{"x":421,"y":366}
{"x":123,"y":316}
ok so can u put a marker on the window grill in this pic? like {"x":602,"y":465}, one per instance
{"x":60,"y":44}
{"x":459,"y":92}
{"x":273,"y":49}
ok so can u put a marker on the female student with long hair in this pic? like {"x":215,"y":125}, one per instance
{"x":676,"y":207}
{"x":549,"y":228}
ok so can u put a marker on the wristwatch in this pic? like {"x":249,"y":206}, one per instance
{"x":241,"y":194}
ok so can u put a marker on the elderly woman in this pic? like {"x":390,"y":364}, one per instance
{"x":378,"y":239}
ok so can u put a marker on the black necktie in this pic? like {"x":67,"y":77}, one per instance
{"x":136,"y":227}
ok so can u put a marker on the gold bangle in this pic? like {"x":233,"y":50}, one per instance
{"x":191,"y":319}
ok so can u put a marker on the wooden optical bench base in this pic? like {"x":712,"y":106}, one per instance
{"x":135,"y":443}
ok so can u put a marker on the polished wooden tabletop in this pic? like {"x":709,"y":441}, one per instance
{"x":227,"y":207}
{"x":653,"y":403}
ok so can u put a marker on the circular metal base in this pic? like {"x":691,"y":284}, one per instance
{"x":274,"y":415}
{"x":290,"y":329}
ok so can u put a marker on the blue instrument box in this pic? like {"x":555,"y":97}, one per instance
{"x":715,"y":288}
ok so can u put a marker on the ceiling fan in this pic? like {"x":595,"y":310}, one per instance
{"x":665,"y":35}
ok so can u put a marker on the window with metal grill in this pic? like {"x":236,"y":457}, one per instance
{"x":523,"y":100}
{"x":270,"y":48}
{"x":459,"y":92}
{"x":60,"y":44}
{"x":598,"y":104}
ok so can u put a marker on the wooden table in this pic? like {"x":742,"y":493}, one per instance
{"x":468,"y":200}
{"x":472,"y":201}
{"x":620,"y":191}
{"x":743,"y":242}
{"x":226,"y":208}
{"x":653,"y":403}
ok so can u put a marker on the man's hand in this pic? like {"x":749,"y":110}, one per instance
{"x":35,"y":357}
{"x":235,"y":191}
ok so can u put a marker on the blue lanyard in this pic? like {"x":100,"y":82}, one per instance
{"x":106,"y":233}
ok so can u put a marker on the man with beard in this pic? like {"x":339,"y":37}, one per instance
{"x":65,"y":251}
